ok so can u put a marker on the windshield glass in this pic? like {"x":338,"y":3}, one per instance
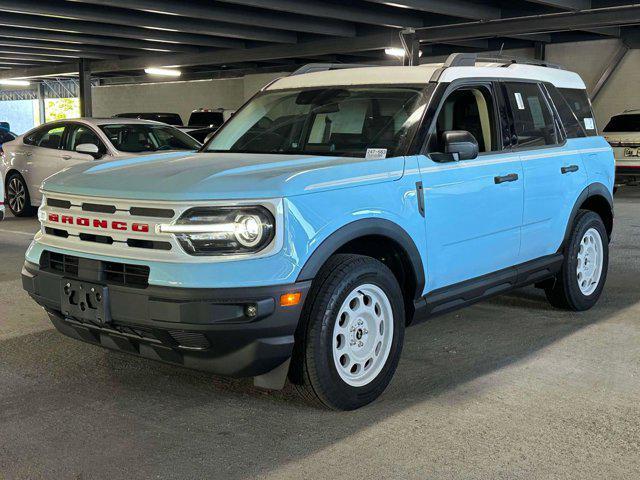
{"x":623,"y":123}
{"x":148,"y":138}
{"x":336,"y":121}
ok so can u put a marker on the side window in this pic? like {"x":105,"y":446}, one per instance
{"x":581,"y":105}
{"x":533,"y":121}
{"x":34,"y":137}
{"x":572,"y":125}
{"x":79,"y":134}
{"x":471,"y":109}
{"x":51,"y":137}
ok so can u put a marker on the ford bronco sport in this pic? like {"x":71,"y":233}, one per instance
{"x":333,"y":210}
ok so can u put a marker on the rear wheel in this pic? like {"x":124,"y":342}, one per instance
{"x":18,"y":196}
{"x":351,"y":333}
{"x":579,"y":283}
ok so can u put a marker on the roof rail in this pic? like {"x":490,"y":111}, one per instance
{"x":322,"y":67}
{"x":470,"y":60}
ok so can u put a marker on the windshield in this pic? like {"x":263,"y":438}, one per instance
{"x":134,"y":138}
{"x":623,"y":123}
{"x":337,"y":121}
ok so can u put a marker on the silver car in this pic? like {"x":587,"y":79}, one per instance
{"x":49,"y":148}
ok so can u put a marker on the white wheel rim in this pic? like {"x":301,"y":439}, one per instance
{"x":16,"y":195}
{"x":362,"y":335}
{"x":590,"y":259}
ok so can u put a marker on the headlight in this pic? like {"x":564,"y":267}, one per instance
{"x":223,"y":230}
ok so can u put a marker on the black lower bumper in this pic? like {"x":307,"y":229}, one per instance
{"x":627,"y":175}
{"x":238,"y":332}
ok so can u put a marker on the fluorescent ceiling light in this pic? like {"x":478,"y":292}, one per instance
{"x":167,"y":72}
{"x":397,"y":52}
{"x":15,"y":83}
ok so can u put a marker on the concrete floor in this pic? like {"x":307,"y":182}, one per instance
{"x":509,"y":388}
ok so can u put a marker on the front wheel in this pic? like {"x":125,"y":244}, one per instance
{"x":351,"y":333}
{"x":579,"y":283}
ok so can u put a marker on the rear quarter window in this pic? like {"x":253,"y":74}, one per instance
{"x":581,"y":106}
{"x":573,"y":127}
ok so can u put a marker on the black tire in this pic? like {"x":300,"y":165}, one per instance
{"x":19,"y":207}
{"x":564,"y":292}
{"x":313,"y":369}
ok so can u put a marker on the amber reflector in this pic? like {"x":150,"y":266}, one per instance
{"x":290,"y":299}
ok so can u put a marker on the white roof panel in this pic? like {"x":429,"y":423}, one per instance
{"x":422,"y":75}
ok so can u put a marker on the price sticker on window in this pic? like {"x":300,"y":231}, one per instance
{"x":376,"y":153}
{"x":519,"y":100}
{"x":589,"y":124}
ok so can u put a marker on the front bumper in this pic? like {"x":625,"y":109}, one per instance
{"x":203,"y":329}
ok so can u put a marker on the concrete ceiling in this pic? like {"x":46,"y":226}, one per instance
{"x":41,"y":38}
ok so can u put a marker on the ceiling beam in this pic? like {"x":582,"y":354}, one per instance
{"x":605,"y":32}
{"x":574,"y":5}
{"x":387,"y":17}
{"x":169,"y":23}
{"x":74,"y":49}
{"x":50,"y":52}
{"x":94,"y":42}
{"x":454,"y":8}
{"x":556,"y":22}
{"x":159,"y":37}
{"x":30,"y":58}
{"x":232,"y":14}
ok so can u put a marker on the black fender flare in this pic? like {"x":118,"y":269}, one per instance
{"x":361,"y":228}
{"x":592,"y":190}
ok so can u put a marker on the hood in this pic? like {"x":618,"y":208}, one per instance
{"x":180,"y":176}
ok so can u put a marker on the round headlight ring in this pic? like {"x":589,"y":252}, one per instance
{"x":249,"y":230}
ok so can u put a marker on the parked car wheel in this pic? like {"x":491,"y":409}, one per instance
{"x":18,"y":196}
{"x":579,"y":283}
{"x":351,"y":333}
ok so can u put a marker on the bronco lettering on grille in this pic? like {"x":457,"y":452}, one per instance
{"x":99,"y":223}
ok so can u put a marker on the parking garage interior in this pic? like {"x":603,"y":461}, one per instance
{"x":507,"y":388}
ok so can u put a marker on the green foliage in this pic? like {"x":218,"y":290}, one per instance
{"x":61,"y":108}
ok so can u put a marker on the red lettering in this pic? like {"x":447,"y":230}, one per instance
{"x":100,"y":223}
{"x":140,"y":227}
{"x":53,"y":217}
{"x":67,"y":219}
{"x":118,"y":225}
{"x":83,"y":222}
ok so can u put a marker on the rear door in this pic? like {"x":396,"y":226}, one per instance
{"x":473,"y":208}
{"x":551,"y":166}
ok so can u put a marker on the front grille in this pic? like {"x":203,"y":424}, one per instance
{"x":190,"y":340}
{"x":54,"y":202}
{"x":136,"y":276}
{"x":113,"y":273}
{"x":98,"y":208}
{"x":58,"y":262}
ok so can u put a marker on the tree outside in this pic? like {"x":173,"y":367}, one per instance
{"x":61,"y":108}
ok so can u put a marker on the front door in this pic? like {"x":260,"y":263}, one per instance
{"x":473,"y":208}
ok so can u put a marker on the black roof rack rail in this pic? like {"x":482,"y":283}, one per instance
{"x":470,"y":60}
{"x":323,"y":67}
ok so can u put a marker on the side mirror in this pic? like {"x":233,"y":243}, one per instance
{"x":89,"y":149}
{"x":461,"y":144}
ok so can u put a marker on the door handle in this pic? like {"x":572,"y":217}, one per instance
{"x":569,"y":169}
{"x":512,"y":177}
{"x":66,"y":157}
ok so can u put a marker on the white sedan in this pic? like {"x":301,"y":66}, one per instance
{"x":49,"y":148}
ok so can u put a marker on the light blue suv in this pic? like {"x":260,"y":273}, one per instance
{"x":337,"y":207}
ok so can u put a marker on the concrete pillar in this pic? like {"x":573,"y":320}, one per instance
{"x":84,"y":72}
{"x":41,"y":107}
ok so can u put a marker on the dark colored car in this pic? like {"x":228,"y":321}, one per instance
{"x":6,"y":136}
